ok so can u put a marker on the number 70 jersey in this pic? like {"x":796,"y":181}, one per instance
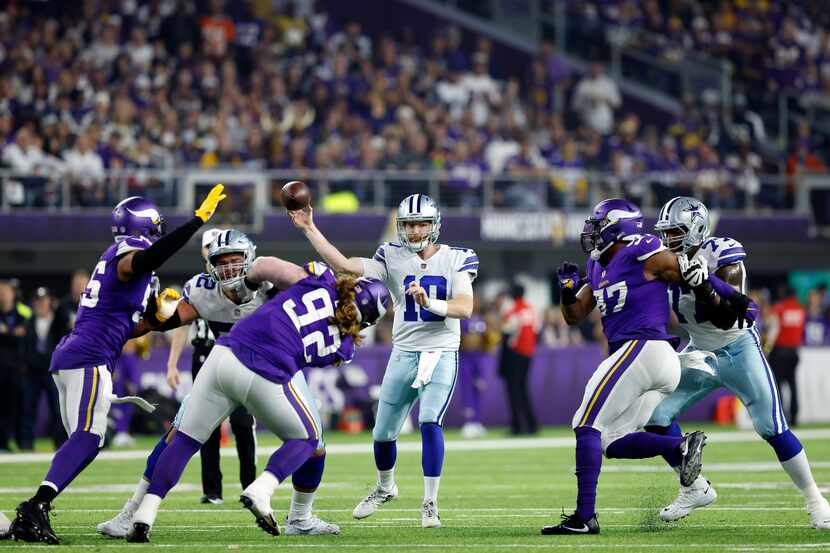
{"x":415,"y":328}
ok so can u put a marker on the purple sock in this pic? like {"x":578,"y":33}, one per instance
{"x":432,"y":449}
{"x":153,"y":458}
{"x":289,"y":457}
{"x":171,"y":463}
{"x":642,"y":445}
{"x":309,"y":475}
{"x":73,"y":457}
{"x":673,"y":457}
{"x":588,"y":465}
{"x":468,"y":367}
{"x":386,"y":453}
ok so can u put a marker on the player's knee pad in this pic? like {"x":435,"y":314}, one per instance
{"x":384,"y":433}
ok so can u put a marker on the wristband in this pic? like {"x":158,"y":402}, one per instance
{"x":439,"y":307}
{"x":567,"y":296}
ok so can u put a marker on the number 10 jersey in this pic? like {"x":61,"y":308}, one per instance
{"x":415,"y":328}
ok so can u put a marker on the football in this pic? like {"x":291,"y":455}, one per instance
{"x":295,"y":195}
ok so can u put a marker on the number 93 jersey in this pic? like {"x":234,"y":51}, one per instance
{"x":415,"y":328}
{"x":292,"y":330}
{"x":716,"y":253}
{"x":631,"y":307}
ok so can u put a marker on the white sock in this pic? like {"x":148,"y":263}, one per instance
{"x":266,"y":483}
{"x":301,"y":505}
{"x":148,"y":510}
{"x":799,"y":470}
{"x":139,"y":492}
{"x":386,"y":479}
{"x":431,"y":488}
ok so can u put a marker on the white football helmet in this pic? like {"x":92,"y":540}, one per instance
{"x":418,"y":207}
{"x":231,"y":276}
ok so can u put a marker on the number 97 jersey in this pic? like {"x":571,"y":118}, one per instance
{"x":631,"y":306}
{"x":415,"y":328}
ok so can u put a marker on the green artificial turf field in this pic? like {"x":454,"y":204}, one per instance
{"x":496,"y":493}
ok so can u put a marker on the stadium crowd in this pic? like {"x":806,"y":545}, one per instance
{"x":99,"y":86}
{"x":30,"y":328}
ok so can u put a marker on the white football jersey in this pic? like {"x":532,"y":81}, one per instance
{"x":416,"y":328}
{"x":204,"y":293}
{"x":715,"y":252}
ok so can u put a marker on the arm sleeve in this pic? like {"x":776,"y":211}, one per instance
{"x":462,"y":284}
{"x":154,"y":257}
{"x":647,"y":246}
{"x":376,"y":266}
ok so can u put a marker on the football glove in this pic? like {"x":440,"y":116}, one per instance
{"x":209,"y":204}
{"x":569,"y":282}
{"x":166,"y":303}
{"x":694,"y":272}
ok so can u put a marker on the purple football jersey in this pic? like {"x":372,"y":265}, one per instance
{"x":631,"y":306}
{"x":109,"y":310}
{"x":291,"y":330}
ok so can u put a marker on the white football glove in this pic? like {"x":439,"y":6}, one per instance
{"x":694,"y":271}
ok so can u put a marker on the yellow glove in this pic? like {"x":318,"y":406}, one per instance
{"x":166,"y":304}
{"x":208,"y":206}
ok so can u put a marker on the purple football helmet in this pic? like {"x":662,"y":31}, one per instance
{"x":611,"y":221}
{"x":136,"y":216}
{"x":372,"y":299}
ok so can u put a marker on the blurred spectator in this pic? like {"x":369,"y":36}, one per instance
{"x":817,"y":325}
{"x":13,"y":322}
{"x":519,"y":325}
{"x":595,"y":98}
{"x":786,"y":334}
{"x":555,"y":331}
{"x":86,"y":170}
{"x":68,"y":306}
{"x":44,"y":330}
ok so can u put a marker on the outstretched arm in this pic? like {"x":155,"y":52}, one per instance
{"x":273,"y":269}
{"x":150,"y":259}
{"x":304,"y":221}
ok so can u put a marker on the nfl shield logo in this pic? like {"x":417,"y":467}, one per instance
{"x":423,"y":265}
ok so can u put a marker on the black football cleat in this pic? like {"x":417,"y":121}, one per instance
{"x":692,"y":450}
{"x":32,"y":523}
{"x":572,"y":524}
{"x":140,"y":533}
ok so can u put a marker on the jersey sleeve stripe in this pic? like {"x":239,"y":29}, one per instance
{"x":471,"y":259}
{"x":380,"y":259}
{"x":733,"y":251}
{"x":652,"y":252}
{"x":728,"y":260}
{"x":469,"y":267}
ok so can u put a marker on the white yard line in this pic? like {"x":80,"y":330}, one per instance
{"x":409,"y":447}
{"x":288,"y":543}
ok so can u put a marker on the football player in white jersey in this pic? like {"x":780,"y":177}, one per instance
{"x":222,"y":296}
{"x":431,"y":287}
{"x":722,"y":352}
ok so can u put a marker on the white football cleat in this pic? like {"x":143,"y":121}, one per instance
{"x":819,"y":514}
{"x":473,"y":430}
{"x":311,"y":526}
{"x":698,"y":495}
{"x":260,"y":507}
{"x":429,"y":515}
{"x":370,"y":504}
{"x":5,"y":524}
{"x":120,"y":524}
{"x":122,"y":439}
